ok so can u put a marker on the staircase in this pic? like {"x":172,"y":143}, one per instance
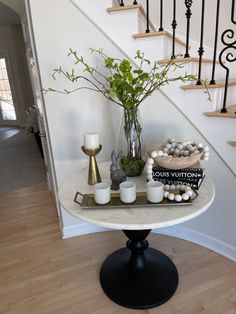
{"x":128,"y":28}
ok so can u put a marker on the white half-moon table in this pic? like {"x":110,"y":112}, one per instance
{"x":135,"y":276}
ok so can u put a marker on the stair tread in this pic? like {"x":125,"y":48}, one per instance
{"x":229,"y":114}
{"x":219,"y":84}
{"x":160,"y":33}
{"x":232,"y":143}
{"x":185,"y":60}
{"x":132,"y":7}
{"x":124,"y":8}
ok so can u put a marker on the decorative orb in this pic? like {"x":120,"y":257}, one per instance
{"x":189,"y":192}
{"x":185,"y":196}
{"x":166,"y":193}
{"x":166,"y":187}
{"x":150,"y":161}
{"x":171,"y":196}
{"x":178,"y":198}
{"x":154,"y":154}
{"x":160,"y":153}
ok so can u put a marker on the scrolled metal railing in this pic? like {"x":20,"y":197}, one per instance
{"x":226,"y":56}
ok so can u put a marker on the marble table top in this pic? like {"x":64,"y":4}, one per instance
{"x":131,"y":218}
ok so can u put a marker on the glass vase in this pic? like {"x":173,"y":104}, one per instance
{"x":131,"y":144}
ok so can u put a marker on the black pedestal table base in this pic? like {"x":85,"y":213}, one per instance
{"x":137,"y":276}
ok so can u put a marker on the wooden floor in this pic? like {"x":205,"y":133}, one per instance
{"x":41,"y":273}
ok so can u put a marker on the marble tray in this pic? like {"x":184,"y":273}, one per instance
{"x":87,"y":201}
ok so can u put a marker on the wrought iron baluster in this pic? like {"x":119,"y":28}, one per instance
{"x":228,"y":34}
{"x":188,"y":14}
{"x":212,"y":81}
{"x":232,"y":12}
{"x":174,"y":25}
{"x":147,"y":9}
{"x":161,"y":16}
{"x":201,"y":49}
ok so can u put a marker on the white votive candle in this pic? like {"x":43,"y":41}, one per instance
{"x":127,"y":192}
{"x":91,"y":140}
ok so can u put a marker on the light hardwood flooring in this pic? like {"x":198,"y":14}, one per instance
{"x":42,"y":274}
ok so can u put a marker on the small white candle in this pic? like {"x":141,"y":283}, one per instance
{"x":91,"y":140}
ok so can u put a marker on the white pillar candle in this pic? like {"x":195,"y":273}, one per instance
{"x":91,"y":140}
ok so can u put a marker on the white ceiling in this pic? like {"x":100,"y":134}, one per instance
{"x":8,"y":16}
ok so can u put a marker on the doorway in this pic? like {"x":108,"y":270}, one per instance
{"x":8,"y":114}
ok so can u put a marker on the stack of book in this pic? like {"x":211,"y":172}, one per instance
{"x":192,"y":177}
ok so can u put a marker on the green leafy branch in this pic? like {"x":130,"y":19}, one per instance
{"x":120,"y":81}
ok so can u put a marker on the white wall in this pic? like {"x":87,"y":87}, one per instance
{"x":63,"y":26}
{"x":11,"y":42}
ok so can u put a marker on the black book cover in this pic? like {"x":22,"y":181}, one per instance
{"x":194,"y":173}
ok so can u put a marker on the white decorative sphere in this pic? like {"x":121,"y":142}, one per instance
{"x":172,"y":140}
{"x":149,"y":171}
{"x":182,"y":187}
{"x":199,"y":145}
{"x":174,"y":145}
{"x":166,"y":187}
{"x":149,"y":167}
{"x":160,"y":153}
{"x":172,"y":187}
{"x":178,"y":198}
{"x":184,"y":144}
{"x":149,"y":177}
{"x":190,"y":148}
{"x":180,"y":146}
{"x":150,"y":161}
{"x":177,"y":152}
{"x":206,"y":154}
{"x":165,"y":155}
{"x":178,"y":186}
{"x":185,"y":196}
{"x":186,"y":153}
{"x":206,"y":149}
{"x":165,"y":150}
{"x":171,"y":196}
{"x":189,"y":192}
{"x":168,"y":145}
{"x":205,"y":158}
{"x":154,"y":154}
{"x":166,"y":193}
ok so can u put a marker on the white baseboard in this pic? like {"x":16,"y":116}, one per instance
{"x":179,"y":232}
{"x":80,"y":229}
{"x":200,"y":238}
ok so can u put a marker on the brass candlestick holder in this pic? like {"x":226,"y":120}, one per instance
{"x":93,"y":173}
